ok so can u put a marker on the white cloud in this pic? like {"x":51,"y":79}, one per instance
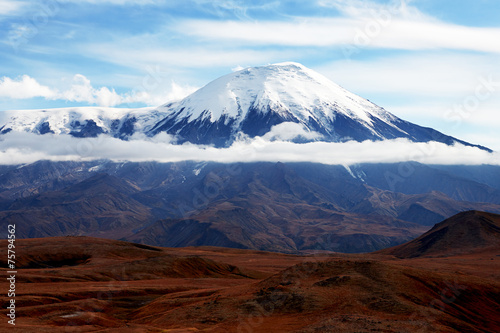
{"x":145,"y":51}
{"x":81,"y":90}
{"x":238,"y":8}
{"x":117,"y":2}
{"x":362,"y":24}
{"x":216,"y":5}
{"x":299,"y":32}
{"x":16,"y":148}
{"x":237,"y":68}
{"x":435,"y":74}
{"x":177,"y":92}
{"x":366,"y":8}
{"x":9,"y":6}
{"x":288,"y":131}
{"x":23,"y":88}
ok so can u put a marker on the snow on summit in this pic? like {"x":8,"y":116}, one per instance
{"x":283,"y":87}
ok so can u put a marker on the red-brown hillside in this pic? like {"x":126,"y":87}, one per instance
{"x":81,"y":284}
{"x":464,"y":233}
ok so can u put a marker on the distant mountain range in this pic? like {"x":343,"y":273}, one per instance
{"x":266,"y":206}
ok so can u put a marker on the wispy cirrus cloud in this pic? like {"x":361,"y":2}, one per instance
{"x":431,"y":74}
{"x":9,"y":6}
{"x":128,"y":54}
{"x":367,"y":8}
{"x":117,"y":2}
{"x":370,"y":25}
{"x":395,"y":33}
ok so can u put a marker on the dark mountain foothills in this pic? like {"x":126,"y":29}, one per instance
{"x":281,"y":207}
{"x":467,"y":232}
{"x":96,"y":285}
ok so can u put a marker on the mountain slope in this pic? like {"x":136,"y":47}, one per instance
{"x":101,"y":205}
{"x":465,"y":183}
{"x":466,"y":232}
{"x":275,"y":206}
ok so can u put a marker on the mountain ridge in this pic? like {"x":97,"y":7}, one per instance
{"x":463,"y":233}
{"x":286,"y":207}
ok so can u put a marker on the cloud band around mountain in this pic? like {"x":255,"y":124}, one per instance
{"x":22,"y":148}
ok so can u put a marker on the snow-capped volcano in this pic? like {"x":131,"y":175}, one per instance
{"x":253,"y":100}
{"x":282,"y":101}
{"x":292,"y":98}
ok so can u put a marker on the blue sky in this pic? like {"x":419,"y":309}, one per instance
{"x":435,"y":63}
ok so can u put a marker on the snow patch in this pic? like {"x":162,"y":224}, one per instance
{"x":198,"y":168}
{"x":96,"y":168}
{"x":349,"y":171}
